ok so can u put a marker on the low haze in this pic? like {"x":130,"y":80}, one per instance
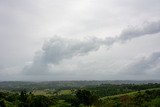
{"x":79,"y":40}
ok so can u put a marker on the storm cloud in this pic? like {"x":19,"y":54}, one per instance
{"x":57,"y":49}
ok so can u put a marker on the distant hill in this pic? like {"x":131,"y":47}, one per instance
{"x":19,"y":85}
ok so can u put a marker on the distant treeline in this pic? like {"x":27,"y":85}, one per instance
{"x":18,"y":85}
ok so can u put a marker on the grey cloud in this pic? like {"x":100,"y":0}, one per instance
{"x":144,"y":65}
{"x":133,"y":32}
{"x":58,"y":49}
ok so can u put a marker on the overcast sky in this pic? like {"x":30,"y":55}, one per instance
{"x":79,"y":40}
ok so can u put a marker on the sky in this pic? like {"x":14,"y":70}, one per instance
{"x":45,"y":40}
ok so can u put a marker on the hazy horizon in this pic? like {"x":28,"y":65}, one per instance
{"x":79,"y":40}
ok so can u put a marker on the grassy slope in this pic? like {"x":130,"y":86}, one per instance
{"x":129,"y":94}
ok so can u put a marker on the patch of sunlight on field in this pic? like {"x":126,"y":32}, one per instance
{"x":64,"y":92}
{"x":114,"y":96}
{"x":129,"y":94}
{"x":41,"y":92}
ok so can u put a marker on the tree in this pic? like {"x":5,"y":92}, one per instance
{"x":2,"y":103}
{"x":85,"y":97}
{"x":23,"y":96}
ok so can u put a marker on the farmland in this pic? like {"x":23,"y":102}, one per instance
{"x":73,"y":94}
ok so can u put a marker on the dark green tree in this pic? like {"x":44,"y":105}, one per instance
{"x":2,"y":103}
{"x":86,"y":97}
